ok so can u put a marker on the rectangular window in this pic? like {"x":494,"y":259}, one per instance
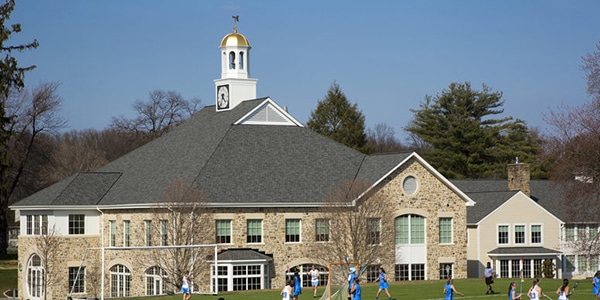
{"x":515,"y":265}
{"x":537,"y":266}
{"x":148,"y":225}
{"x":417,"y":230}
{"x":322,"y":230}
{"x":570,"y":263}
{"x":593,"y":263}
{"x":445,"y":231}
{"x":504,"y":268}
{"x":126,"y":233}
{"x":503,"y":234}
{"x":581,"y":232}
{"x":292,"y":230}
{"x":373,"y":231}
{"x":373,"y":272}
{"x":37,"y":224}
{"x":164,"y":233}
{"x":417,"y":272}
{"x":401,"y":272}
{"x":519,"y":234}
{"x":113,"y":233}
{"x":569,"y":233}
{"x":445,"y":270}
{"x":223,"y":232}
{"x":76,"y":281}
{"x":254,"y":231}
{"x":536,"y":234}
{"x":76,"y":224}
{"x":527,"y":268}
{"x":402,"y":230}
{"x":581,"y":263}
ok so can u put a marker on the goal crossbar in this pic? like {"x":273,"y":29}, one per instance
{"x":349,"y":265}
{"x":103,"y":249}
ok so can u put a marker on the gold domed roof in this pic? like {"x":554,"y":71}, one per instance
{"x":235,"y":39}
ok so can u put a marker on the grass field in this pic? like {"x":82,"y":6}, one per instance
{"x":8,"y":273}
{"x":414,"y":290}
{"x":418,"y":290}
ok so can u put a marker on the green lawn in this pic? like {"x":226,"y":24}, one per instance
{"x":472,"y":288}
{"x":8,"y":273}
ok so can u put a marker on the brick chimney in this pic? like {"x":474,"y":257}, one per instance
{"x":519,"y":177}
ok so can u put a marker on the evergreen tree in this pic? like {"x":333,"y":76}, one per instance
{"x":465,"y":138}
{"x":339,"y":120}
{"x":11,"y":79}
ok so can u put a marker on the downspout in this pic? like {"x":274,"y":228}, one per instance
{"x":102,"y":255}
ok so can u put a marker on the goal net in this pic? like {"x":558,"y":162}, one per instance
{"x":337,"y":280}
{"x":111,"y":271}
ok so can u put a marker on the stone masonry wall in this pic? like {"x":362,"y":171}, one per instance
{"x":433,"y":199}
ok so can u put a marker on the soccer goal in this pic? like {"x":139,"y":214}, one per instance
{"x":337,"y":280}
{"x":156,"y":264}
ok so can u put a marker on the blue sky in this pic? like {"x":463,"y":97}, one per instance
{"x":385,"y":55}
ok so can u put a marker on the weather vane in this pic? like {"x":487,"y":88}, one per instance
{"x":236,"y":19}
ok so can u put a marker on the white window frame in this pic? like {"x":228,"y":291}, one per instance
{"x":451,"y":230}
{"x":508,"y":239}
{"x":126,"y":233}
{"x":514,"y":229}
{"x":299,"y":230}
{"x":112,"y":233}
{"x":148,"y":232}
{"x":541,"y":233}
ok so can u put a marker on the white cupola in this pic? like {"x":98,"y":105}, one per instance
{"x":234,"y":86}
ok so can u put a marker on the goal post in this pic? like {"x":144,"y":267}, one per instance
{"x":203,"y":263}
{"x":337,"y":281}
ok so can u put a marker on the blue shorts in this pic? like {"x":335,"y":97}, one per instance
{"x":383,"y":285}
{"x":185,"y":290}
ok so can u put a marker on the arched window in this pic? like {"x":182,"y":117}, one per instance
{"x":232,"y":60}
{"x":154,"y":280}
{"x":410,"y":229}
{"x":120,"y":281}
{"x":35,"y":277}
{"x":241,"y":63}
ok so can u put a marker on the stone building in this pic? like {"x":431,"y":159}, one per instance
{"x":263,"y":180}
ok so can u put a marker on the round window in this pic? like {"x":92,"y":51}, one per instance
{"x":409,"y":185}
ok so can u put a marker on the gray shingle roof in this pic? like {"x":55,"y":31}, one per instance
{"x":490,"y":194}
{"x":232,"y":164}
{"x":523,"y":250}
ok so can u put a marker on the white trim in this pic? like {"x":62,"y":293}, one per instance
{"x":518,"y":193}
{"x":498,"y":236}
{"x":268,"y":102}
{"x":514,"y":229}
{"x":444,"y":180}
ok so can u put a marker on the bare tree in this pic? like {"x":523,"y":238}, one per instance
{"x":591,"y":67}
{"x":162,"y":112}
{"x":33,"y":113}
{"x":181,"y":221}
{"x":48,"y":244}
{"x":355,"y":225}
{"x":382,"y":139}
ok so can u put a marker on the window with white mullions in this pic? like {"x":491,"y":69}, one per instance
{"x":76,"y":282}
{"x":254,"y":231}
{"x":292,"y":230}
